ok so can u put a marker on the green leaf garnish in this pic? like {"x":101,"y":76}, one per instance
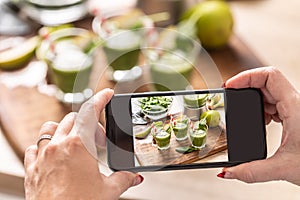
{"x":186,"y":149}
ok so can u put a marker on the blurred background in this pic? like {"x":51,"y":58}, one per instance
{"x":39,"y":40}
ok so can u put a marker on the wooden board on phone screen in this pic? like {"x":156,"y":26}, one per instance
{"x":148,"y":154}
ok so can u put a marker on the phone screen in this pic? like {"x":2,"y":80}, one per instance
{"x":185,"y":129}
{"x":179,"y":129}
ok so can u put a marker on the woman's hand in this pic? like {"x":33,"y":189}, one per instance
{"x":66,"y":167}
{"x":282,"y":104}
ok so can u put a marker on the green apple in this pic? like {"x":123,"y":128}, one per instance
{"x":214,"y":24}
{"x":212,"y":118}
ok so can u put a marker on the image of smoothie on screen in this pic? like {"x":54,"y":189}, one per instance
{"x":180,"y":129}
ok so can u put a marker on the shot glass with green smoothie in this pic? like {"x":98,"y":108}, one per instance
{"x":198,"y":134}
{"x":180,"y":127}
{"x":162,"y":135}
{"x":122,"y":35}
{"x":70,"y":63}
{"x":198,"y":138}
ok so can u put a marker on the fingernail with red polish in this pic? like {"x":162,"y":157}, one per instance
{"x":139,"y":179}
{"x":223,"y":85}
{"x":221,"y":175}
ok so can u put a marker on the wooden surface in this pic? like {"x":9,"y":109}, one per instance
{"x":147,"y":154}
{"x":23,"y":110}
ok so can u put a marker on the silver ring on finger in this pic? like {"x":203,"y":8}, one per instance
{"x":44,"y":137}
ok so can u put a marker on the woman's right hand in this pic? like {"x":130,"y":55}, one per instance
{"x":66,"y":166}
{"x":282,"y":104}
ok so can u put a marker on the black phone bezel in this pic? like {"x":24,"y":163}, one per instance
{"x":127,"y":151}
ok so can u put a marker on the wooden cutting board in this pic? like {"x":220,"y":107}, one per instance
{"x":148,"y":154}
{"x":23,"y":110}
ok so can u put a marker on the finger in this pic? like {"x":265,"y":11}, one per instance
{"x":270,"y":108}
{"x":65,"y":126}
{"x":86,"y":124}
{"x":266,"y":77}
{"x":123,"y":180}
{"x":276,"y":118}
{"x":100,"y":137}
{"x":256,"y":171}
{"x":89,"y":113}
{"x":267,"y":96}
{"x":268,"y":118}
{"x":30,"y":156}
{"x":47,"y":128}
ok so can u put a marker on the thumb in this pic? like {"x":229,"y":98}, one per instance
{"x":123,"y":180}
{"x":255,"y":171}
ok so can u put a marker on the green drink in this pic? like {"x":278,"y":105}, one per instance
{"x":161,"y":135}
{"x":171,"y":57}
{"x":198,"y":138}
{"x":68,"y":53}
{"x":122,"y":34}
{"x":171,"y":72}
{"x":162,"y":139}
{"x":122,"y":50}
{"x":180,"y":130}
{"x":66,"y":68}
{"x":70,"y":71}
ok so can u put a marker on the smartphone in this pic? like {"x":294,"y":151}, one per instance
{"x":185,"y":129}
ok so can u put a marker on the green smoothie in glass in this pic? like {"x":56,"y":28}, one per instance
{"x":70,"y":68}
{"x":180,"y":127}
{"x":161,"y":135}
{"x":69,"y":55}
{"x":122,"y":50}
{"x":198,"y":137}
{"x":122,"y":34}
{"x":180,"y":131}
{"x":171,"y":72}
{"x":162,"y":139}
{"x":171,"y":57}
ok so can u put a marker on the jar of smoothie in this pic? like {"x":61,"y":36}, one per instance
{"x":122,"y":34}
{"x":70,"y":61}
{"x":194,"y":105}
